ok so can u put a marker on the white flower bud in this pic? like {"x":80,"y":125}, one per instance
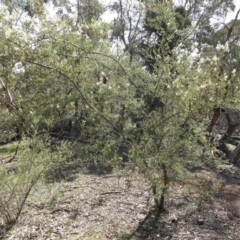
{"x":215,"y":58}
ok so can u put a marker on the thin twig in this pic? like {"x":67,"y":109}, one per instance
{"x":112,"y":192}
{"x":10,"y":160}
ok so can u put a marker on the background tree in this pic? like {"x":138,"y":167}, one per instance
{"x":160,"y":38}
{"x":35,"y":7}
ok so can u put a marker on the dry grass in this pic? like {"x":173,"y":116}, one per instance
{"x":90,"y":207}
{"x":118,"y":205}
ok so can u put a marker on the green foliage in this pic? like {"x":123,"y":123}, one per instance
{"x":18,"y":180}
{"x":164,"y":27}
{"x":8,"y":150}
{"x":6,"y":126}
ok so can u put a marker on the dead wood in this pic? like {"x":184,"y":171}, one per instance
{"x":235,"y":155}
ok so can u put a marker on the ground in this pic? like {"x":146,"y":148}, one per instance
{"x":88,"y":204}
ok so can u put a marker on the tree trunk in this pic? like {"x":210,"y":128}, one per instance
{"x":164,"y":188}
{"x":161,"y":202}
{"x":235,"y":155}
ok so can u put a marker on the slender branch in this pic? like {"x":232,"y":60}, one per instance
{"x":104,"y":55}
{"x":232,"y":26}
{"x":81,"y":94}
{"x":122,"y":23}
{"x":15,"y":153}
{"x":6,"y":90}
{"x":112,"y":192}
{"x":130,"y":24}
{"x":166,"y":119}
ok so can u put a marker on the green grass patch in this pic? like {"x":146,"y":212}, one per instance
{"x":5,"y":150}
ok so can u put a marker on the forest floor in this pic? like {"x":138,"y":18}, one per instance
{"x":88,"y":204}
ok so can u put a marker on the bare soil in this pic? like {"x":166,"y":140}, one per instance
{"x":118,"y":205}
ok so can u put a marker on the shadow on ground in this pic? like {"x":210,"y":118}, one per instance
{"x":149,"y":228}
{"x":211,"y":213}
{"x":67,"y":171}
